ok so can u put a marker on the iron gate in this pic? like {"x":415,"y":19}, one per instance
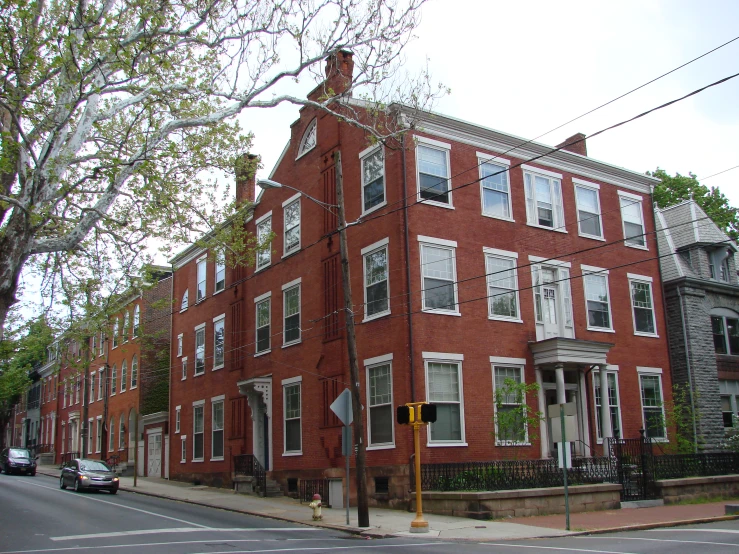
{"x":634,"y":461}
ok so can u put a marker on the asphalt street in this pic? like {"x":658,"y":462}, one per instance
{"x":36,"y":516}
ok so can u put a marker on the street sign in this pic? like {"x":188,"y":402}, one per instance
{"x":570,"y":428}
{"x":342,"y":407}
{"x":570,"y":409}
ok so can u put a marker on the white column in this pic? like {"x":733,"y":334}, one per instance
{"x":584,"y":423}
{"x":605,"y":410}
{"x":543,"y":430}
{"x":559,"y":373}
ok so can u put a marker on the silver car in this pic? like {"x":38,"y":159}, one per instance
{"x":82,"y":474}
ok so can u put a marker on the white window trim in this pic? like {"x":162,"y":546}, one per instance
{"x":579,"y":183}
{"x":642,"y":369}
{"x":611,"y":369}
{"x":133,"y":387}
{"x":216,"y":320}
{"x":653,"y":371}
{"x":548,"y":173}
{"x":213,"y":401}
{"x":301,"y":151}
{"x":445,"y":358}
{"x":557,"y":226}
{"x":640,"y":200}
{"x":496,"y":253}
{"x":285,"y":204}
{"x":448,"y":244}
{"x":262,"y":217}
{"x":257,"y":300}
{"x":261,"y":297}
{"x":292,"y":283}
{"x":285,"y":288}
{"x":444,"y":147}
{"x":195,"y":404}
{"x":200,"y":327}
{"x":483,"y":159}
{"x":183,"y":441}
{"x":548,"y":261}
{"x":522,"y":368}
{"x":184,"y":364}
{"x":436,"y":241}
{"x":204,"y":260}
{"x":386,"y":359}
{"x":258,"y":222}
{"x":500,"y":360}
{"x":636,"y":277}
{"x":292,"y":380}
{"x":180,"y":342}
{"x":215,"y":273}
{"x":375,"y":246}
{"x":380,"y":244}
{"x":177,"y":418}
{"x":591,"y":270}
{"x":362,"y":155}
{"x":631,"y":278}
{"x":287,"y":383}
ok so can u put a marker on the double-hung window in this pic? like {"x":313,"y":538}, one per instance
{"x":220,"y":271}
{"x":100,"y":384}
{"x":91,"y":398}
{"x":614,"y":403}
{"x":597,"y":298}
{"x":544,"y":198}
{"x":653,"y":412}
{"x":124,"y":375}
{"x":184,"y":368}
{"x":434,"y":182}
{"x":198,"y":423}
{"x":99,"y":434}
{"x":633,"y":220}
{"x":438,"y":268}
{"x":380,"y":401}
{"x":201,"y":270}
{"x":200,"y":349}
{"x":291,"y":403}
{"x":219,"y":333}
{"x":509,"y":400}
{"x":373,"y":178}
{"x":263,"y":308}
{"x":588,"y":209}
{"x":113,"y":380}
{"x":502,"y":280}
{"x":291,"y":212}
{"x":126,"y":321}
{"x":136,"y":321}
{"x":183,"y":449}
{"x":642,"y":304}
{"x":179,"y":345}
{"x":495,"y":187}
{"x":116,"y":330}
{"x":122,"y":433}
{"x":725,"y":333}
{"x":134,"y":371}
{"x":291,"y":310}
{"x":264,"y":242}
{"x":177,"y":418}
{"x":444,"y":388}
{"x":216,"y":444}
{"x":111,"y":437}
{"x":376,"y":284}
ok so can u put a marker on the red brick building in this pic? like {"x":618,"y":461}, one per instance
{"x":476,"y":257}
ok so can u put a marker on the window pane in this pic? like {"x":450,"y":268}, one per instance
{"x":501,"y":280}
{"x":199,"y":351}
{"x":719,"y":338}
{"x":447,"y":426}
{"x":292,"y":226}
{"x":732,"y":327}
{"x":372,"y":173}
{"x":642,"y":300}
{"x":596,"y":294}
{"x":443,"y":382}
{"x":292,"y":435}
{"x":381,"y":428}
{"x":380,"y":386}
{"x":292,"y":314}
{"x":433,"y":173}
{"x":495,"y":190}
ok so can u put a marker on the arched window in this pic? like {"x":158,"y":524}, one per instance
{"x":308,"y":142}
{"x":134,"y":372}
{"x":124,"y":375}
{"x":184,"y":304}
{"x":116,"y":329}
{"x":136,"y":320}
{"x":111,"y":438}
{"x":125,"y":327}
{"x":113,"y":380}
{"x":122,"y":433}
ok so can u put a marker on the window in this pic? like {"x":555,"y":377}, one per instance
{"x":90,"y":428}
{"x":264,"y":242}
{"x":111,"y":438}
{"x":725,"y":334}
{"x":124,"y":375}
{"x":116,"y":322}
{"x":502,"y":280}
{"x":113,"y":380}
{"x":263,"y":325}
{"x":184,"y":368}
{"x":122,"y":433}
{"x":197,"y":432}
{"x":380,"y":400}
{"x":91,"y":398}
{"x":102,"y":344}
{"x":220,"y":271}
{"x":136,"y":320}
{"x":134,"y":372}
{"x":439,"y":276}
{"x":219,"y":324}
{"x":727,"y":413}
{"x":544,"y":198}
{"x":291,"y":304}
{"x":445,"y":390}
{"x":200,"y":350}
{"x":179,"y":345}
{"x":125,"y":327}
{"x":100,"y":384}
{"x":183,"y":449}
{"x":291,"y":213}
{"x":93,"y":348}
{"x":200,"y":290}
{"x":99,"y":434}
{"x":719,"y":259}
{"x":613,"y":403}
{"x":633,"y":222}
{"x":291,"y":402}
{"x":510,"y":424}
{"x":217,"y":429}
{"x":729,"y":390}
{"x":597,"y":299}
{"x":308,"y":142}
{"x":642,"y":304}
{"x":651,"y":401}
{"x":177,"y":419}
{"x":433,"y":175}
{"x":373,"y":179}
{"x":77,"y":390}
{"x":376,"y":284}
{"x":588,"y":210}
{"x":495,"y":190}
{"x":184,"y":303}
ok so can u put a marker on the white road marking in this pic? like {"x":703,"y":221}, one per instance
{"x":330,"y":548}
{"x":177,"y":530}
{"x":568,"y":548}
{"x":659,"y":540}
{"x":672,"y":530}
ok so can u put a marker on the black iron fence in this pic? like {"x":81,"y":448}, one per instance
{"x":248,"y":465}
{"x":309,"y":487}
{"x":69,"y":456}
{"x":678,"y":466}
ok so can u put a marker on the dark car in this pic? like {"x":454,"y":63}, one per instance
{"x":82,"y":474}
{"x":18,"y":460}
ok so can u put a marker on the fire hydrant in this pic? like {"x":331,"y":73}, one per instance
{"x":316,"y":506}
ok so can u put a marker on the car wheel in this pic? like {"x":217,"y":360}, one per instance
{"x":61,"y":483}
{"x":33,"y":474}
{"x":113,"y":491}
{"x":76,"y":485}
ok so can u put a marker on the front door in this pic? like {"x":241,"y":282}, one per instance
{"x":154,"y":466}
{"x":550,"y":303}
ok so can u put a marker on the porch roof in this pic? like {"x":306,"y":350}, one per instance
{"x":560,"y":350}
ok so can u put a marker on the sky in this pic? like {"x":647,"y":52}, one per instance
{"x":526,"y":67}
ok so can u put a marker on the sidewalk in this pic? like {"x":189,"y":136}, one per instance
{"x":386,"y":522}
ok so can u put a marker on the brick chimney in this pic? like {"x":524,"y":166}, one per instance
{"x":339,"y":71}
{"x":578,"y":147}
{"x":246,"y":171}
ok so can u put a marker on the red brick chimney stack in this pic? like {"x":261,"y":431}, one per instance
{"x":578,"y":147}
{"x":246,"y":171}
{"x":339,"y":71}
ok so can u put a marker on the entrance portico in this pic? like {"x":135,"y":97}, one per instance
{"x":258,"y":392}
{"x":561,"y":365}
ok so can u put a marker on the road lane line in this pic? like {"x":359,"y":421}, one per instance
{"x":568,"y":549}
{"x":659,"y":540}
{"x":147,"y":512}
{"x":711,"y":530}
{"x":332,"y":548}
{"x":177,"y":530}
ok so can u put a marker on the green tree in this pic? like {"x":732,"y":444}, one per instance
{"x":515,"y":421}
{"x":673,"y":190}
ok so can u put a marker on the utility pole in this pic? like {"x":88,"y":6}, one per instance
{"x":85,"y":429}
{"x":351,"y":343}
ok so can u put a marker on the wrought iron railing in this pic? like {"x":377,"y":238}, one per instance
{"x":113,"y":461}
{"x":677,"y":466}
{"x":44,"y":448}
{"x":512,"y":474}
{"x":69,"y":456}
{"x":248,"y":465}
{"x":309,"y":487}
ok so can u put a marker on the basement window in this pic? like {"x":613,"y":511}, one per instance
{"x":382,"y":485}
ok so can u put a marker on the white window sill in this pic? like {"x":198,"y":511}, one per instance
{"x":291,"y":253}
{"x":203,"y":299}
{"x":509,"y":320}
{"x":374,"y":208}
{"x":381,"y":447}
{"x":200,"y":461}
{"x":114,"y":347}
{"x":444,"y":444}
{"x":555,"y":229}
{"x":664,"y":439}
{"x":293,"y":343}
{"x":177,"y":431}
{"x":440,"y":312}
{"x":219,"y":459}
{"x":216,"y":368}
{"x":434,"y":203}
{"x":111,"y":394}
{"x":498,"y":217}
{"x":293,"y":453}
{"x":262,"y":353}
{"x":183,"y":461}
{"x":134,"y":387}
{"x":513,"y":444}
{"x":199,"y":374}
{"x":600,"y":330}
{"x":218,"y":291}
{"x":183,"y":310}
{"x":375,"y":316}
{"x":257,"y":270}
{"x":636,"y":246}
{"x":183,"y":379}
{"x":123,"y":390}
{"x":650,"y":335}
{"x":592,"y":237}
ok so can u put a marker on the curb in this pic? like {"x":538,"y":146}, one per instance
{"x":656,"y":525}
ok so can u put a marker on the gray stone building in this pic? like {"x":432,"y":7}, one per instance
{"x":702,"y":301}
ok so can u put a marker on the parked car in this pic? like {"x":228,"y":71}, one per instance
{"x":18,"y":460}
{"x":82,"y":474}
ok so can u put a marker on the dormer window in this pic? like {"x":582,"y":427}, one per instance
{"x":308,"y":142}
{"x":718,"y":264}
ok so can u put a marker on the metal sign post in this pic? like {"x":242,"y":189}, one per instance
{"x":564,"y":445}
{"x":342,"y":407}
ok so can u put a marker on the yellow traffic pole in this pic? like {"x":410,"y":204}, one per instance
{"x":418,"y":525}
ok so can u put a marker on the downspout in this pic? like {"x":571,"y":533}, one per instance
{"x":408,"y":272}
{"x":169,"y":393}
{"x":687,"y":366}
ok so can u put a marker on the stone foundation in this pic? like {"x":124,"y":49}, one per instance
{"x":674,"y":491}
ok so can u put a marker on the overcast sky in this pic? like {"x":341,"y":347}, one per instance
{"x":526,"y":67}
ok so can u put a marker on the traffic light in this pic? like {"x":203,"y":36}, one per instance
{"x":428,"y":413}
{"x":405,"y":415}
